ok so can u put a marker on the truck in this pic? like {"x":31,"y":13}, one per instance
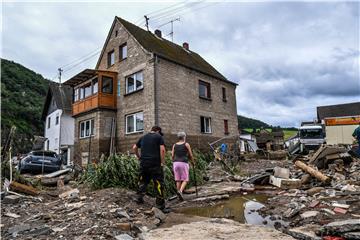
{"x":311,"y":136}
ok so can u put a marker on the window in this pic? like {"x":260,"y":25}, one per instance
{"x":87,"y":90}
{"x":116,"y":33}
{"x":107,"y":85}
{"x":224,"y":94}
{"x":76,"y":94}
{"x":48,"y":123}
{"x":123,"y":51}
{"x":111,"y":58}
{"x":205,"y":123}
{"x":134,"y":82}
{"x":135,"y":122}
{"x":118,"y":88}
{"x":81,"y":90}
{"x":226,"y":127}
{"x":48,"y":145}
{"x":57,"y":119}
{"x":204,"y":90}
{"x":95,"y":86}
{"x":87,"y":127}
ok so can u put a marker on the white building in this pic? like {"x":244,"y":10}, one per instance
{"x":59,"y":124}
{"x":340,"y":122}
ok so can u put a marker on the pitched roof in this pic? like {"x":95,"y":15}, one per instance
{"x":62,"y":96}
{"x":340,"y":110}
{"x":171,"y":51}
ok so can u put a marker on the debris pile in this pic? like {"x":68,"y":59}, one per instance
{"x":72,"y":213}
{"x":321,"y":195}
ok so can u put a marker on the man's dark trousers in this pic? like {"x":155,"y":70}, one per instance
{"x":157,"y":175}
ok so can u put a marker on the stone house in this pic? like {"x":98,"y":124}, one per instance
{"x":153,"y":82}
{"x":58,"y":121}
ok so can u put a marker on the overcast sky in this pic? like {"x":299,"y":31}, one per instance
{"x":287,"y":58}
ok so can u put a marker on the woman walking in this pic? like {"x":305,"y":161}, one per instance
{"x":181,"y":154}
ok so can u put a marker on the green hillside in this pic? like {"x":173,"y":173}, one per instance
{"x":245,"y":122}
{"x":22,"y":96}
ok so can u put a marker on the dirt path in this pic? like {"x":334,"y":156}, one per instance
{"x":214,"y":229}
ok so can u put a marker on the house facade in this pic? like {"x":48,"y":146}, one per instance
{"x":156,"y":82}
{"x":340,"y":121}
{"x":58,"y":121}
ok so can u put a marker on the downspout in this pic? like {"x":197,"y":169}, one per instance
{"x":156,"y":93}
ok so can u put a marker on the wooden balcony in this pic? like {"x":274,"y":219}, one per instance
{"x":93,"y":89}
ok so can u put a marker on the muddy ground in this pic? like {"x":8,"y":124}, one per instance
{"x":112,"y":214}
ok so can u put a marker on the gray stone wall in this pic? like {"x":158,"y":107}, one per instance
{"x":138,"y":59}
{"x":180,"y":107}
{"x":99,"y":143}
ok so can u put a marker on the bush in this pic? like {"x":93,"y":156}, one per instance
{"x":122,"y":171}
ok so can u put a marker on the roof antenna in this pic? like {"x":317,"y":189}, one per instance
{"x":147,"y":22}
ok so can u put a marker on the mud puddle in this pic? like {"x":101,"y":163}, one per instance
{"x":241,"y":208}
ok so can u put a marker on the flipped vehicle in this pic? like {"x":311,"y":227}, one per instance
{"x":40,"y":162}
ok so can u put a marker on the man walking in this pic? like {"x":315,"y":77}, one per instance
{"x":152,"y":159}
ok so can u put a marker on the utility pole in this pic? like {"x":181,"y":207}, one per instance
{"x":147,"y":22}
{"x":60,"y":72}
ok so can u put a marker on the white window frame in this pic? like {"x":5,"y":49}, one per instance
{"x":135,"y":126}
{"x":91,"y":128}
{"x":135,"y":79}
{"x":49,"y":122}
{"x":205,"y":121}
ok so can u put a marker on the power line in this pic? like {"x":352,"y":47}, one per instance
{"x":165,"y":8}
{"x":174,"y":11}
{"x":186,"y":11}
{"x":79,"y":59}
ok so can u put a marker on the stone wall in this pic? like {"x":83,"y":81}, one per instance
{"x":138,"y":59}
{"x":99,"y":143}
{"x":180,"y":107}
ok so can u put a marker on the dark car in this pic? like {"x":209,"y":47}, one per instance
{"x":40,"y":162}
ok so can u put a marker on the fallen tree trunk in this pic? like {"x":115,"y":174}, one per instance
{"x":315,"y":173}
{"x":18,"y":187}
{"x":53,"y":181}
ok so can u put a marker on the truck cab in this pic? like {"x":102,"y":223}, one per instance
{"x":311,"y":136}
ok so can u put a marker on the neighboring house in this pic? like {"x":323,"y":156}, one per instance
{"x":58,"y":120}
{"x":149,"y":81}
{"x":279,"y":142}
{"x":270,"y":140}
{"x":340,"y":121}
{"x":245,"y":141}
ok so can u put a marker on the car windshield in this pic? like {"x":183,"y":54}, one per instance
{"x":45,"y":154}
{"x":311,"y":133}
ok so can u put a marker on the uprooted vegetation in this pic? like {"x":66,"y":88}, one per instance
{"x":122,"y":171}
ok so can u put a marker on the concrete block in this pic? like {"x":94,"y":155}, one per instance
{"x":11,"y":199}
{"x":281,"y":172}
{"x":285,"y":183}
{"x":309,"y":214}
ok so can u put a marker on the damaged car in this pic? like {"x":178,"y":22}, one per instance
{"x":40,"y":162}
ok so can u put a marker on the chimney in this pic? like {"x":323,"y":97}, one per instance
{"x":158,"y":33}
{"x":186,"y":46}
